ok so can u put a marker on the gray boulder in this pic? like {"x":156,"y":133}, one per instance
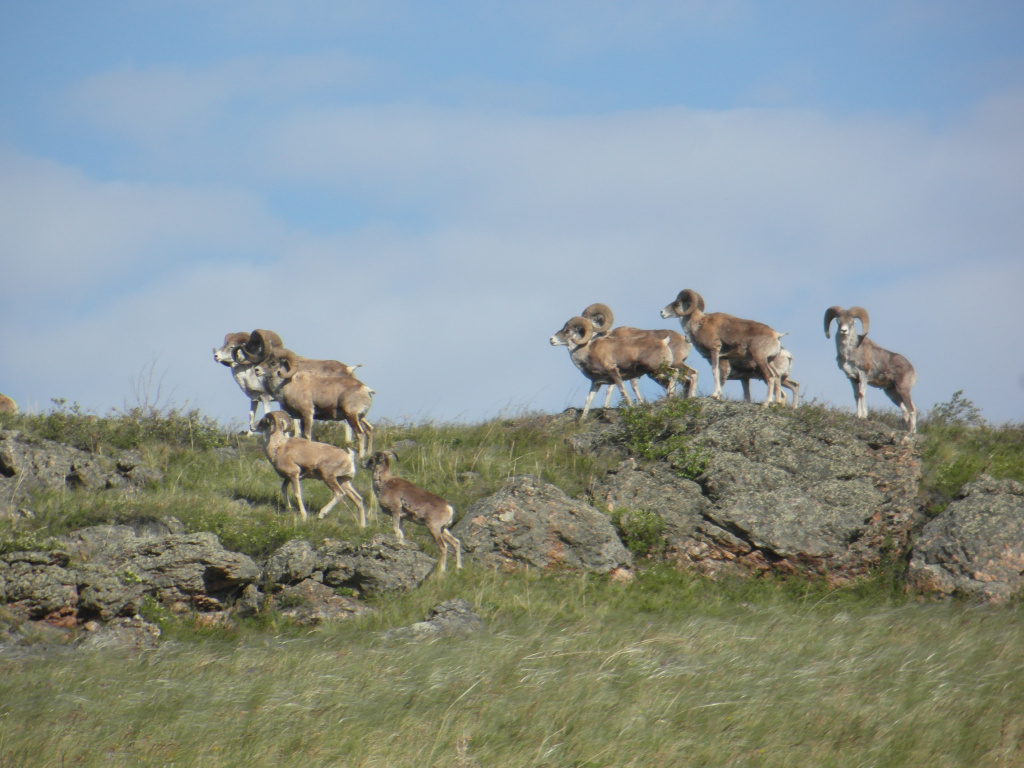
{"x":782,"y":490}
{"x":381,"y":565}
{"x":115,"y":569}
{"x":311,"y":603}
{"x":452,"y":618}
{"x":975,"y":547}
{"x":532,"y":523}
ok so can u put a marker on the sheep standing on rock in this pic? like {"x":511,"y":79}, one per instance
{"x":864,"y":363}
{"x":399,"y":497}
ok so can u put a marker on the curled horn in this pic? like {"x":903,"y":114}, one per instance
{"x":861,"y":314}
{"x":259,"y":345}
{"x":831,"y":314}
{"x":691,"y":301}
{"x":288,"y":361}
{"x":583,"y":327}
{"x":601,"y":316}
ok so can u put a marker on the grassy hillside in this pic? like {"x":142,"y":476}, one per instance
{"x":670,"y":669}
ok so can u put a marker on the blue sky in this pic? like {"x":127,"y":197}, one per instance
{"x":431,"y":191}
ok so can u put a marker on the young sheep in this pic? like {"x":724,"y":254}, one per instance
{"x":400,"y":497}
{"x":718,"y":335}
{"x":864,"y":362}
{"x":296,"y":458}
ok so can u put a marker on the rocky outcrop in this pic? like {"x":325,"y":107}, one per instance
{"x":775,"y":490}
{"x":975,"y":547}
{"x":28,"y":464}
{"x":530,"y":522}
{"x":108,"y":571}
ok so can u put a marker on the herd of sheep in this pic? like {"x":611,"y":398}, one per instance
{"x":307,"y":389}
{"x":735,"y":348}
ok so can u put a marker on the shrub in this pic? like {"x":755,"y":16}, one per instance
{"x":641,"y":531}
{"x":658,"y":433}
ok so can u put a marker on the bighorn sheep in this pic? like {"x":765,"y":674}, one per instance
{"x":606,"y":360}
{"x":745,"y":370}
{"x":7,"y":405}
{"x":294,"y":458}
{"x":399,"y":497}
{"x":306,"y":395}
{"x":603,"y":319}
{"x":231,"y":355}
{"x":864,"y":362}
{"x":274,"y":357}
{"x":718,"y":335}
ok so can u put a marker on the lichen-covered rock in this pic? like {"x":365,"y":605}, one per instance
{"x":291,"y":563}
{"x":38,"y":585}
{"x":530,"y":522}
{"x":382,"y":564}
{"x":975,"y":547}
{"x":27,"y":464}
{"x":790,"y":491}
{"x":311,"y":603}
{"x":111,"y":570}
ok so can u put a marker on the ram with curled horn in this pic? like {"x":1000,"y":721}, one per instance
{"x":603,"y":319}
{"x":306,"y":394}
{"x":232,"y":354}
{"x":717,"y":336}
{"x":865,"y":363}
{"x":613,"y":361}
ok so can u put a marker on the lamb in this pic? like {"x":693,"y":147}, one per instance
{"x":603,"y":319}
{"x":745,"y":370}
{"x":230,"y":354}
{"x":606,"y":360}
{"x":399,"y":497}
{"x":719,"y":335}
{"x":864,"y":362}
{"x":295,"y":458}
{"x":7,"y":405}
{"x":306,"y":395}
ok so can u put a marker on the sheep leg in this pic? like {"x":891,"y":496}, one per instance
{"x":636,"y":389}
{"x":906,"y":406}
{"x":442,"y":546}
{"x":622,"y":388}
{"x":608,"y":396}
{"x":716,"y":374}
{"x":771,"y":377}
{"x":794,"y":387}
{"x":450,"y":538}
{"x":590,"y":397}
{"x":297,"y":487}
{"x":353,"y":494}
{"x":858,"y":393}
{"x":253,"y":404}
{"x":746,"y":389}
{"x":396,"y":523}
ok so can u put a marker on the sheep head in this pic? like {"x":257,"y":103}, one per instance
{"x":687,"y":302}
{"x":576,"y":332}
{"x":275,"y":421}
{"x":846,"y":318}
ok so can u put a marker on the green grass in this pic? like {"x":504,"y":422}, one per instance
{"x":573,"y":671}
{"x":669,"y":669}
